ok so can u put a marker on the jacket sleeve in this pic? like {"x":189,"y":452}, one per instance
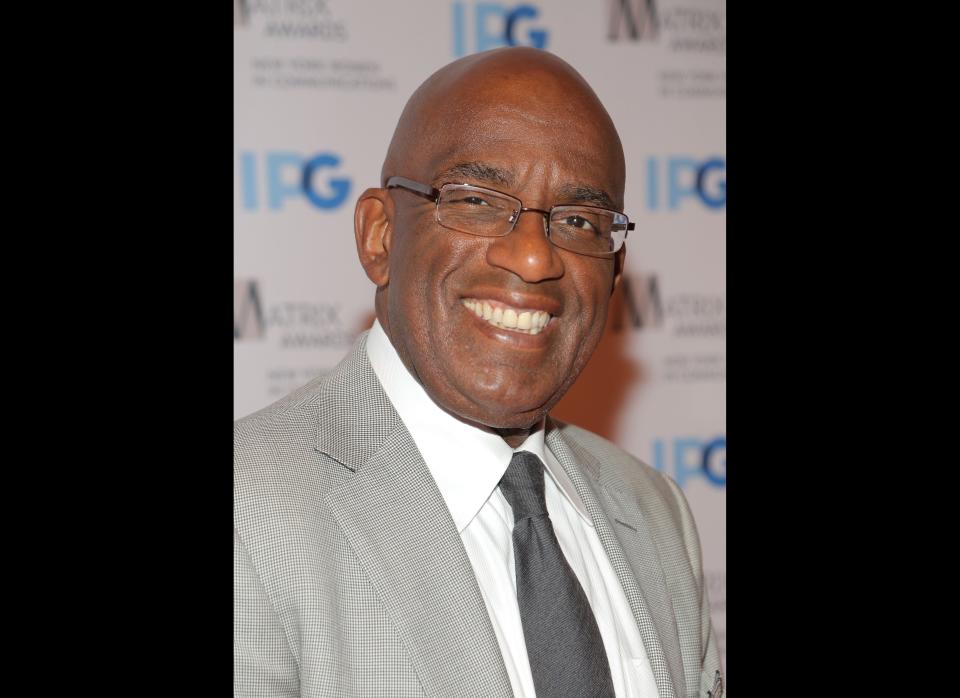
{"x":263,"y":663}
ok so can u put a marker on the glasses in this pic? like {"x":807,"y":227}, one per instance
{"x":587,"y":230}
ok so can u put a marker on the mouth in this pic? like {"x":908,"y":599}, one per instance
{"x":506,"y":317}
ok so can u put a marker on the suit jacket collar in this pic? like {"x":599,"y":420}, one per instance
{"x":397,"y":523}
{"x":621,"y":527}
{"x":354,"y":415}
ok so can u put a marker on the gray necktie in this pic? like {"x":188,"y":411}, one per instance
{"x":563,"y":641}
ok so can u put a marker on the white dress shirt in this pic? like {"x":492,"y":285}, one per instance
{"x":467,"y":463}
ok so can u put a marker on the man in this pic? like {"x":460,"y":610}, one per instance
{"x":413,"y":524}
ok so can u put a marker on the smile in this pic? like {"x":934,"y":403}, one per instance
{"x":508,"y":318}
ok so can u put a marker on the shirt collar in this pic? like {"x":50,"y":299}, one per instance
{"x":465,"y":460}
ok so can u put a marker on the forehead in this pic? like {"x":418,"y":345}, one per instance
{"x":532,"y":123}
{"x":520,"y":147}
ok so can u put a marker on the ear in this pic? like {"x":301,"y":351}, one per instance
{"x":373,"y":226}
{"x":618,"y":267}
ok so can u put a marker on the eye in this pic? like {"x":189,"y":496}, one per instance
{"x":578,"y":222}
{"x":469,"y":200}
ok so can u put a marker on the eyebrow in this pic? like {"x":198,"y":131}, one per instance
{"x":583,"y":194}
{"x":475,"y":171}
{"x":478,"y":172}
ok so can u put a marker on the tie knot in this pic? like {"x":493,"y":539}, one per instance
{"x":522,"y":486}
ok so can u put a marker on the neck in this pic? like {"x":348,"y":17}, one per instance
{"x":514,"y":437}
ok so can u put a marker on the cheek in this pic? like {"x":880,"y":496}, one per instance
{"x":422,"y":264}
{"x":592,"y":283}
{"x":414,"y":259}
{"x":593,"y":299}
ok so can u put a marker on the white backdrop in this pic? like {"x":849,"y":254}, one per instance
{"x":318,"y":88}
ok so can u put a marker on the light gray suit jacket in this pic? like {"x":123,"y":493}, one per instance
{"x":351,"y":578}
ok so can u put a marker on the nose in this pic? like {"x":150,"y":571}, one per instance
{"x":526,"y":251}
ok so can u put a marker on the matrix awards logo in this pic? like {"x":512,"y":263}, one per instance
{"x":634,"y":20}
{"x":696,"y":26}
{"x":291,"y":324}
{"x":248,"y":322}
{"x":682,"y":26}
{"x":688,"y":458}
{"x":689,"y":314}
{"x":277,"y":177}
{"x":290,"y":19}
{"x":241,"y":13}
{"x":642,"y":305}
{"x":479,"y":26}
{"x":302,"y":325}
{"x":639,"y":304}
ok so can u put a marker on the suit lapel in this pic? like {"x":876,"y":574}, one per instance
{"x":398,"y":525}
{"x":629,"y":544}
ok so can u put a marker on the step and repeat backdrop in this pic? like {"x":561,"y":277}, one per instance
{"x":318,"y":88}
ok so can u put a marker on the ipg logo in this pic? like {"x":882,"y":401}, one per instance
{"x":495,"y":25}
{"x":675,"y":179}
{"x":683,"y":458}
{"x":276,"y":177}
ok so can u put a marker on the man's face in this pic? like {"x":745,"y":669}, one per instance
{"x":543,"y":147}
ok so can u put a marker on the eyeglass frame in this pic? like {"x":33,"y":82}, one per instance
{"x":433,"y":194}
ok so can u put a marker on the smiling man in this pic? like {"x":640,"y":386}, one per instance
{"x":414,"y":523}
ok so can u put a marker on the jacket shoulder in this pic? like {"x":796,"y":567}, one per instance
{"x":295,"y":415}
{"x":274,"y":420}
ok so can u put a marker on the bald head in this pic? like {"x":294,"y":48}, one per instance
{"x":469,"y":99}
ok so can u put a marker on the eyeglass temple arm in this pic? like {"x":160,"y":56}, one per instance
{"x":417,"y":188}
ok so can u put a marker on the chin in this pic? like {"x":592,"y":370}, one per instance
{"x":500,"y":400}
{"x":498,"y":415}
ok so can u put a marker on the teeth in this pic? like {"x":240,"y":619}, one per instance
{"x":526,"y":321}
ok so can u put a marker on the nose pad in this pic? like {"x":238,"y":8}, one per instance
{"x":543,"y":218}
{"x":526,"y":251}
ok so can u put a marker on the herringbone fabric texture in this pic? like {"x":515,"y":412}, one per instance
{"x":564,"y":645}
